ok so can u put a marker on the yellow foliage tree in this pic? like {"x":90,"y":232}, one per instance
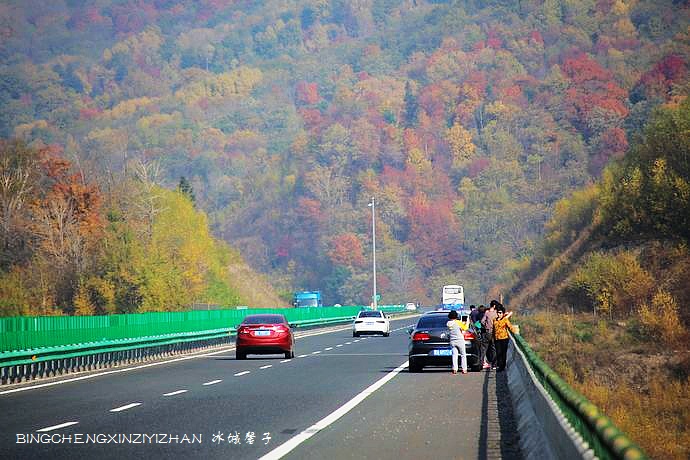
{"x":183,"y":264}
{"x":419,"y":161}
{"x":129,"y":107}
{"x":82,"y":302}
{"x":461,"y":146}
{"x":238,"y":82}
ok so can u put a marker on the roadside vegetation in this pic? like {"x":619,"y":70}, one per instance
{"x":72,"y":246}
{"x":637,"y":371}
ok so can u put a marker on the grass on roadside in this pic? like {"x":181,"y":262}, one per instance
{"x":641,"y":380}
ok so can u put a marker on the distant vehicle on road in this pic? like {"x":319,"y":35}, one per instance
{"x":371,"y":322}
{"x":264,"y":334}
{"x":430,"y":343}
{"x":453,"y":294}
{"x":410,"y":306}
{"x":307,"y":299}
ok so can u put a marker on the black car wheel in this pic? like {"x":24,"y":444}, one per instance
{"x":289,"y":354}
{"x":240,"y":355}
{"x":415,"y":365}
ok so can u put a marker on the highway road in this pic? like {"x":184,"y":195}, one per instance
{"x":341,"y":397}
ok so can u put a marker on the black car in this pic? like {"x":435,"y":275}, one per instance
{"x":430,"y":343}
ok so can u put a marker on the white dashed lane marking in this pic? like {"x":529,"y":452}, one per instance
{"x":266,"y":366}
{"x":212,"y":382}
{"x":173,"y":393}
{"x":125,"y":407}
{"x":241,"y":373}
{"x":56,"y":427}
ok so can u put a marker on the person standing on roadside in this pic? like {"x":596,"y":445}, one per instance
{"x":488,"y":349}
{"x":457,"y":341}
{"x":480,"y":333}
{"x":501,"y":337}
{"x":475,"y":315}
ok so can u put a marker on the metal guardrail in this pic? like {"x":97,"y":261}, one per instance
{"x":48,"y":361}
{"x":604,"y":438}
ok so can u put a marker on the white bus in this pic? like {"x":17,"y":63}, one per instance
{"x":453,"y":294}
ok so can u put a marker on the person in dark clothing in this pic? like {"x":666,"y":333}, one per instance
{"x":487,"y":344}
{"x":481,"y":337}
{"x":474,"y":314}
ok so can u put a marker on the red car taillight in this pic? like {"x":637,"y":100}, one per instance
{"x":468,"y":335}
{"x":243,"y":330}
{"x":281,"y":329}
{"x":420,"y":337}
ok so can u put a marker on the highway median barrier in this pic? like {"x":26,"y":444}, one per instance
{"x":42,"y":347}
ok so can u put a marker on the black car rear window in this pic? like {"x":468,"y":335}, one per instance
{"x":369,"y":314}
{"x":264,"y":319}
{"x":432,"y":321}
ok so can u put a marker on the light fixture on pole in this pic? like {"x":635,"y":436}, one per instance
{"x":372,"y":205}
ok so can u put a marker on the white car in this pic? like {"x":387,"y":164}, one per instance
{"x":410,"y":306}
{"x":371,"y":322}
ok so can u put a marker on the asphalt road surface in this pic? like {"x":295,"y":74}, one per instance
{"x":341,"y":397}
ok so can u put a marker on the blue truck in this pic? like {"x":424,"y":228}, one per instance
{"x":307,"y":299}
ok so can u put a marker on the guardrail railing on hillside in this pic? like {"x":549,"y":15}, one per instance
{"x":37,"y":347}
{"x":603,"y":437}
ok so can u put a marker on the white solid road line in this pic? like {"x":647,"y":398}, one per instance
{"x":241,"y":373}
{"x":56,"y":427}
{"x":212,"y":382}
{"x":125,"y":407}
{"x":290,"y":444}
{"x":173,"y":393}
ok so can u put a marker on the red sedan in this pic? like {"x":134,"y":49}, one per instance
{"x":264,"y":334}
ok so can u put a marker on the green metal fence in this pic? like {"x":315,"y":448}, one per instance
{"x":27,"y":332}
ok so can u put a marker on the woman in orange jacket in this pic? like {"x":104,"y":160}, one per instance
{"x":501,"y":327}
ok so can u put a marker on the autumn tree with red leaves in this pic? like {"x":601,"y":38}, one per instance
{"x":434,"y":234}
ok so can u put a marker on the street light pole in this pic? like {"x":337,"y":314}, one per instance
{"x":373,"y":240}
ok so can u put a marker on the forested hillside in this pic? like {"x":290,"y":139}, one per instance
{"x":466,"y":120}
